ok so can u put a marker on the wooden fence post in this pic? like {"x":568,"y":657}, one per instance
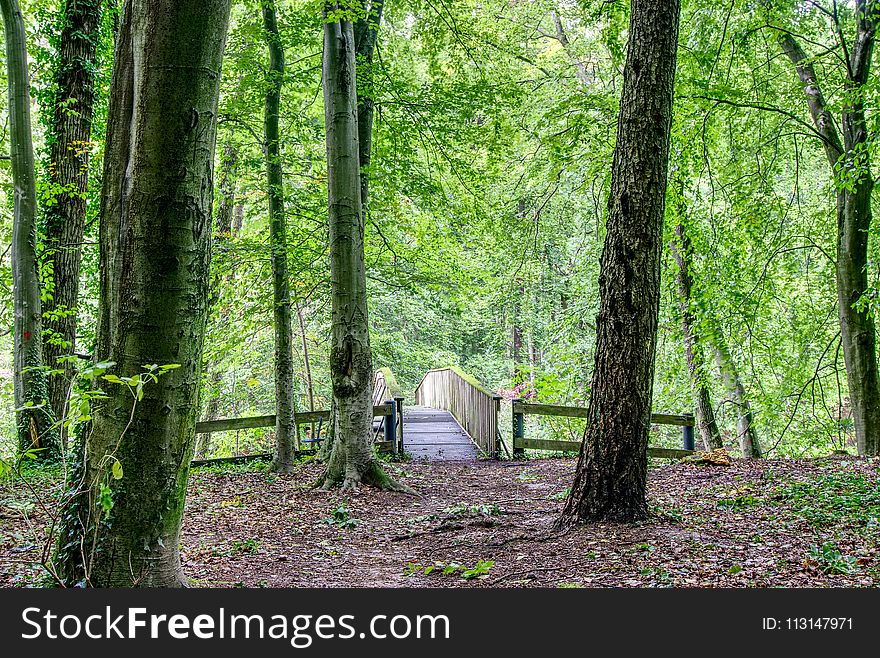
{"x":519,"y":429}
{"x":497,"y":400}
{"x":688,"y":433}
{"x":391,"y":425}
{"x":398,"y":403}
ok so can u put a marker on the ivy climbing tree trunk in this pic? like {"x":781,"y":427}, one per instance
{"x":122,"y":527}
{"x":693,"y":348}
{"x":352,"y":459}
{"x":34,"y":420}
{"x":849,"y":160}
{"x":610,"y":481}
{"x":285,"y":432}
{"x":70,"y":135}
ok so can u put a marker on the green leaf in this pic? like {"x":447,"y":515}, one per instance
{"x":116,"y":470}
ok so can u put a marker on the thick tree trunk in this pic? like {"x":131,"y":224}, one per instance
{"x":852,"y":157}
{"x":71,"y":132}
{"x":746,"y":433}
{"x":285,"y":431}
{"x":123,"y":527}
{"x":693,"y":348}
{"x":610,"y":480}
{"x":352,"y":458}
{"x":34,"y":420}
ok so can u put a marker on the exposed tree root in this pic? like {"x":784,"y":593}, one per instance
{"x":348,"y":478}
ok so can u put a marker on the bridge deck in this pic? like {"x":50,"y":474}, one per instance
{"x":434,"y":435}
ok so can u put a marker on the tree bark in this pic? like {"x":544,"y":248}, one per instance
{"x":366,"y":30}
{"x":746,"y":433}
{"x":307,"y":367}
{"x":70,"y":135}
{"x":226,"y":207}
{"x":352,"y":458}
{"x":850,"y":157}
{"x":610,"y":481}
{"x":35,"y":423}
{"x":285,"y":431}
{"x":122,"y":528}
{"x":693,"y":348}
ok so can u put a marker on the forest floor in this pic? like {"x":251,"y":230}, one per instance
{"x":804,"y":523}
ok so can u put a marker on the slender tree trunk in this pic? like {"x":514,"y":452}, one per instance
{"x":693,"y":348}
{"x":34,"y":420}
{"x":746,"y":433}
{"x":285,"y":432}
{"x":222,"y":234}
{"x":203,"y":441}
{"x":71,"y":132}
{"x":610,"y":480}
{"x":226,"y":207}
{"x":123,"y":526}
{"x":352,"y":458}
{"x":310,"y":388}
{"x":851,"y":156}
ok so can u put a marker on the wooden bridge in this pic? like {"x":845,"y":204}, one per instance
{"x":454,"y":418}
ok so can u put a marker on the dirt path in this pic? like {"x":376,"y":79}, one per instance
{"x":710,"y":527}
{"x":765,"y":524}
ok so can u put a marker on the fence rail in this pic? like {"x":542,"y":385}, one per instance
{"x":474,"y":407}
{"x":250,"y":422}
{"x":521,"y":443}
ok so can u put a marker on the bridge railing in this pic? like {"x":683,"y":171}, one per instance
{"x":474,"y":407}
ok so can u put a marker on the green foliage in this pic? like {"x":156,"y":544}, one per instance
{"x":341,"y":517}
{"x":478,"y":571}
{"x":828,"y":559}
{"x":462,"y":510}
{"x":833,"y":499}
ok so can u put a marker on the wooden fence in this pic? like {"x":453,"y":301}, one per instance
{"x":521,"y":443}
{"x":387,"y":404}
{"x":475,"y":408}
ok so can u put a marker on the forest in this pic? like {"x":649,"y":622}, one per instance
{"x":439,"y":293}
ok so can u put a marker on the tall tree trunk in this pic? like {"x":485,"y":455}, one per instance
{"x":71,"y":132}
{"x":352,"y":458}
{"x":226,"y":207}
{"x":310,"y":388}
{"x":610,"y":480}
{"x":285,"y":432}
{"x":746,"y":433}
{"x":203,"y":441}
{"x":34,"y":418}
{"x":851,"y":156}
{"x":693,"y":348}
{"x":366,"y":31}
{"x":123,"y":527}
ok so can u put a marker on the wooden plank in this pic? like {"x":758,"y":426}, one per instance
{"x":672,"y":419}
{"x":544,"y":444}
{"x":246,"y":458}
{"x":228,"y":424}
{"x":532,"y":409}
{"x":669,"y":453}
{"x":250,"y":422}
{"x":310,"y":417}
{"x":575,"y":446}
